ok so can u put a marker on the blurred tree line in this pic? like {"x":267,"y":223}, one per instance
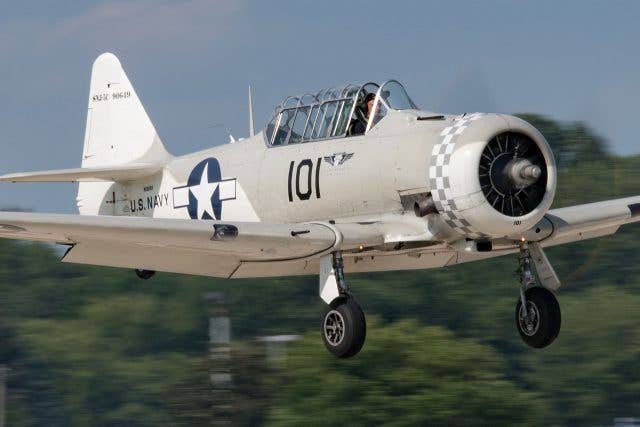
{"x":92,"y":346}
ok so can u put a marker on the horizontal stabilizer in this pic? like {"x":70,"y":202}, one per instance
{"x":97,"y":174}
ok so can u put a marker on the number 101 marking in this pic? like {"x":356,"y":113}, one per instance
{"x":305,"y":173}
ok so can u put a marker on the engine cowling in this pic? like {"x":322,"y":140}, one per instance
{"x":491,"y":175}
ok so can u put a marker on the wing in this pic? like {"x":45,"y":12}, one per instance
{"x":566,"y":225}
{"x":235,"y":249}
{"x":559,"y":226}
{"x":591,"y":220}
{"x":210,"y":248}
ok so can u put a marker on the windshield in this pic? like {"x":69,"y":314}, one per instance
{"x":394,"y":95}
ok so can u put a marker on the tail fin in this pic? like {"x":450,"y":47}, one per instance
{"x":119,"y":132}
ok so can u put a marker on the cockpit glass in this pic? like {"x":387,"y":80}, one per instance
{"x":325,"y":126}
{"x":284,"y":126}
{"x":298,"y":125}
{"x":311,"y":122}
{"x":344,"y":113}
{"x":394,"y":95}
{"x":379,"y":111}
{"x":336,"y":112}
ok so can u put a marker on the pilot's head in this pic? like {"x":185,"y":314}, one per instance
{"x":368,"y":103}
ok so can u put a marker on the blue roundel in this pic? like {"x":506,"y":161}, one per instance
{"x":196,"y":178}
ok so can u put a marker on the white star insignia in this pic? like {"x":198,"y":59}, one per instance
{"x":203,"y":193}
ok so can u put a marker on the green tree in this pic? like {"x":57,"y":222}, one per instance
{"x":113,"y":364}
{"x":571,"y":142}
{"x":408,"y":374}
{"x":590,"y":374}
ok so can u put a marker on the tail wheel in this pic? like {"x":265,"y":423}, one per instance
{"x":538,"y":324}
{"x":145,"y":274}
{"x":343,"y":327}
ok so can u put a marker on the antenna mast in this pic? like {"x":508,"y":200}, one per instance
{"x":251,"y":128}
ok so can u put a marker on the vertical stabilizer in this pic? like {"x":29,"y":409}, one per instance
{"x":118,"y":132}
{"x":118,"y":128}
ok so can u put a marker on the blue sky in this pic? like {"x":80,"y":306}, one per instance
{"x":191,"y":62}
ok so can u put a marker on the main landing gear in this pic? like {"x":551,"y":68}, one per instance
{"x":344,"y":328}
{"x":537,"y":311}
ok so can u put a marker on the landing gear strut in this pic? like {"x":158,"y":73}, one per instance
{"x":343,"y":323}
{"x":537,"y":314}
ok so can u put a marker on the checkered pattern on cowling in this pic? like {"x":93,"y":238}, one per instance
{"x":439,"y":175}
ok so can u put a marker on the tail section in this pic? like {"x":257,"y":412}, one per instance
{"x":119,"y":130}
{"x":118,"y":133}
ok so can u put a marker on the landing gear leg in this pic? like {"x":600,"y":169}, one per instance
{"x":527,"y":278}
{"x":537,"y":314}
{"x":343,"y":323}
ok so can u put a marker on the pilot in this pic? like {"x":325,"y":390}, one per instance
{"x":358,"y":124}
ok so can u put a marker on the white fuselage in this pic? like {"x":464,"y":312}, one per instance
{"x":334,"y":178}
{"x":341,"y":179}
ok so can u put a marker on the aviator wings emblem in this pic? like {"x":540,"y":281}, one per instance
{"x":336,"y":159}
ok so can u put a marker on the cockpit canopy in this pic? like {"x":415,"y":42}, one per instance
{"x":334,"y":113}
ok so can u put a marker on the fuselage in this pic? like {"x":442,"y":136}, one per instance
{"x":318,"y":180}
{"x":343,"y":179}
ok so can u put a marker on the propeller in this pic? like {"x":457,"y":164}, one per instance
{"x":513,"y":174}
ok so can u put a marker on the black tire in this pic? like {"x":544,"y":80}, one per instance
{"x":145,"y":274}
{"x":343,"y":327}
{"x":545,"y":327}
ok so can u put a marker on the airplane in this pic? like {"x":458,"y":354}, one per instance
{"x":355,"y":178}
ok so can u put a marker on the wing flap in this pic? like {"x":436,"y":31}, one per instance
{"x":168,"y":259}
{"x":112,"y":173}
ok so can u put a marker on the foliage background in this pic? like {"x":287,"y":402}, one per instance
{"x":97,"y":346}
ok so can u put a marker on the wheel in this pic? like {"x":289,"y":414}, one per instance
{"x":145,"y":274}
{"x":540,"y":324}
{"x":343,"y":327}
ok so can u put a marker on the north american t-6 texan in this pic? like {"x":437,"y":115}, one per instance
{"x":349,"y":179}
